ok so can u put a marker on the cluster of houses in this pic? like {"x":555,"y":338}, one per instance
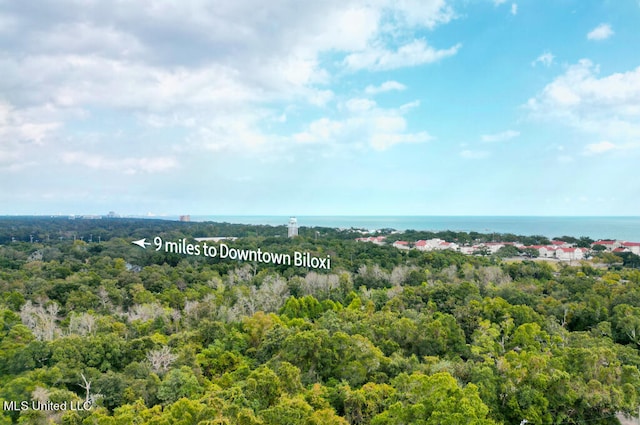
{"x":559,"y":250}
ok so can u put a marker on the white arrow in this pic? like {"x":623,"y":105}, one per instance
{"x":142,"y":243}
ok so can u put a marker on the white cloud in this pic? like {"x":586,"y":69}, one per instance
{"x":360,"y":105}
{"x":124,"y":165}
{"x":198,"y":66}
{"x":415,"y":53}
{"x":601,"y":32}
{"x":469,"y":154}
{"x":514,"y":9}
{"x":353,"y":28}
{"x":596,"y":148}
{"x":84,"y":81}
{"x":364,"y":128}
{"x":320,"y":97}
{"x":236,"y":131}
{"x":383,"y":141}
{"x":410,"y":105}
{"x":498,"y":2}
{"x":224,"y":41}
{"x":85,"y":38}
{"x":500,"y":137}
{"x":545,"y":59}
{"x":606,"y":146}
{"x":606,"y":107}
{"x":385,"y":87}
{"x":26,"y":125}
{"x":419,"y":13}
{"x":25,"y":134}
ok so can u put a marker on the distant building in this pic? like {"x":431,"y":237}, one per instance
{"x":215,"y":239}
{"x":493,"y":247}
{"x":378,"y":240}
{"x":185,"y":218}
{"x":401,"y":244}
{"x":570,"y":253}
{"x":632,"y":246}
{"x":469,"y":250}
{"x":547,"y":251}
{"x":421,"y":245}
{"x":447,"y":245}
{"x":292,"y":227}
{"x":610,"y":245}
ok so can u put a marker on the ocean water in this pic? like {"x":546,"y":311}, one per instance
{"x":622,"y":228}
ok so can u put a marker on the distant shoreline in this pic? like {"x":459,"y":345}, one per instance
{"x":596,"y":227}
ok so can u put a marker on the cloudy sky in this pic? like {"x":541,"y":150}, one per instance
{"x":345,"y":107}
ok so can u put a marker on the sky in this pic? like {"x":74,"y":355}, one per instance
{"x":345,"y":107}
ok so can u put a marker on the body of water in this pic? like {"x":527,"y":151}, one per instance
{"x":623,"y":228}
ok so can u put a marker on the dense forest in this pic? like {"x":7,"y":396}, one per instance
{"x":387,"y":336}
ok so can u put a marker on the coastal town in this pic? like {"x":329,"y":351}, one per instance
{"x":557,"y":249}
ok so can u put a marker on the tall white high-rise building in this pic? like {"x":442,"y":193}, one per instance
{"x":293,"y":227}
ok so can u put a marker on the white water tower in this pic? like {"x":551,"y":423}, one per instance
{"x":293,"y":227}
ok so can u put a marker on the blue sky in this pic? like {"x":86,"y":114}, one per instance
{"x":350,"y":107}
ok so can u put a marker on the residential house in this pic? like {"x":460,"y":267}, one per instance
{"x":421,"y":245}
{"x":633,"y":247}
{"x":447,"y":245}
{"x":493,"y":246}
{"x":401,"y":244}
{"x":546,"y":251}
{"x":468,"y":250}
{"x":378,"y":240}
{"x":569,"y":254}
{"x":609,"y":244}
